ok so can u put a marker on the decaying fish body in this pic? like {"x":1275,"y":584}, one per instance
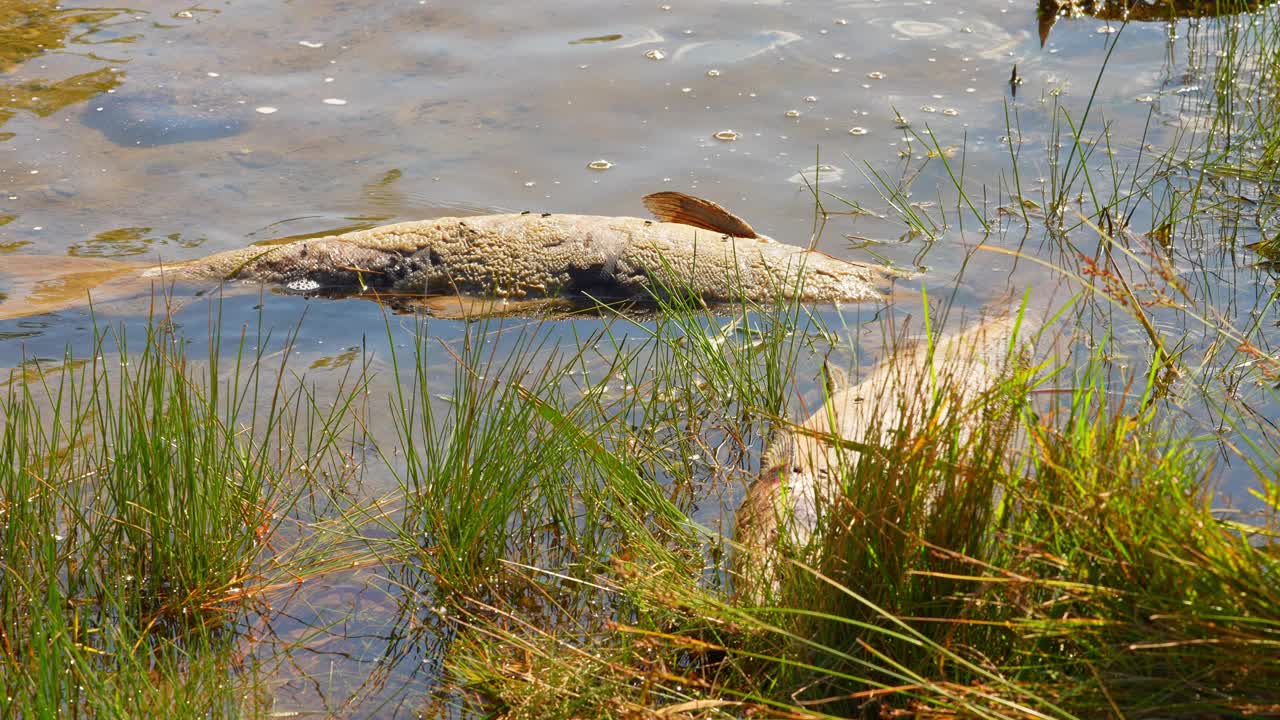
{"x":802,"y":469}
{"x":694,"y":247}
{"x":520,"y":256}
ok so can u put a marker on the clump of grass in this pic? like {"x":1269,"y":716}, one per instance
{"x":139,"y":500}
{"x":573,"y":460}
{"x":1148,"y":600}
{"x":526,"y":447}
{"x":1097,"y":581}
{"x":1061,"y":561}
{"x":483,"y":474}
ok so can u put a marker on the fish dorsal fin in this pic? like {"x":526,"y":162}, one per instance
{"x":676,"y":207}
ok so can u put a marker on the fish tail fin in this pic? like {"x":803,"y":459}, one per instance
{"x":37,"y":284}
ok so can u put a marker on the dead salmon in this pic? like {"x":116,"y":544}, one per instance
{"x":693,"y":246}
{"x":803,"y":469}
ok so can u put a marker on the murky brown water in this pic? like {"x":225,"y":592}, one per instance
{"x":170,"y":131}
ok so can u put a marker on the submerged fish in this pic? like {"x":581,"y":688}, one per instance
{"x":694,"y":247}
{"x":802,"y":471}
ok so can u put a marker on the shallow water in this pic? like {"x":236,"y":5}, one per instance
{"x":172,"y":131}
{"x":476,"y":108}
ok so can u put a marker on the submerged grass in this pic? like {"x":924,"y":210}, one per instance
{"x":139,"y":503}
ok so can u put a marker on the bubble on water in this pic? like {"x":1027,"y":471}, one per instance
{"x":713,"y":73}
{"x":685,"y":90}
{"x":655,"y":54}
{"x":664,"y":7}
{"x":835,"y":69}
{"x":928,"y":109}
{"x":919,"y":29}
{"x":265,"y":109}
{"x":184,"y":14}
{"x":211,"y":74}
{"x":841,"y":21}
{"x":334,"y":101}
{"x":970,"y":89}
{"x":310,"y":44}
{"x":875,"y":75}
{"x":857,"y":130}
{"x":951,"y":112}
{"x":839,"y":56}
{"x":792,"y":113}
{"x":811,"y":98}
{"x":1145,"y":98}
{"x":530,"y":184}
{"x":329,"y":79}
{"x":727,"y":135}
{"x":1107,"y":30}
{"x":601,"y":164}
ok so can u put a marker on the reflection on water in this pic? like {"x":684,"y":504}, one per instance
{"x":1051,"y":11}
{"x":351,"y":224}
{"x":46,"y":98}
{"x":147,"y":119}
{"x":123,"y":242}
{"x":455,"y":107}
{"x":34,"y":28}
{"x":597,"y":39}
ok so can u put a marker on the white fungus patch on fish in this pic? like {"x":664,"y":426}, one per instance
{"x":302,"y":285}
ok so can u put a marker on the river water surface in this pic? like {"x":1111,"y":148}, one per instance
{"x":169,"y":130}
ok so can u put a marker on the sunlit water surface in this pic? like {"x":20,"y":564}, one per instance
{"x":171,"y":131}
